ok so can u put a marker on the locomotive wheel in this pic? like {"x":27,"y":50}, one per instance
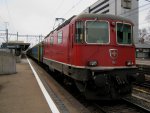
{"x":85,"y":91}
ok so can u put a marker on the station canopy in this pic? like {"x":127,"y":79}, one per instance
{"x":16,"y":45}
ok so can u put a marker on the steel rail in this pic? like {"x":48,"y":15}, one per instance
{"x":102,"y":110}
{"x":136,"y":105}
{"x":146,"y":84}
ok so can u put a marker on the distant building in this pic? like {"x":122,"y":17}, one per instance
{"x":142,"y":50}
{"x":125,"y":8}
{"x":143,"y":47}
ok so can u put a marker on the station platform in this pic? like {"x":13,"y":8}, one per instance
{"x":23,"y":93}
{"x":20,"y":93}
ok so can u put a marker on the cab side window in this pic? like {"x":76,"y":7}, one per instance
{"x":79,"y":32}
{"x":51,"y":40}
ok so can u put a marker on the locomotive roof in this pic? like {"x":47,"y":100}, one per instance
{"x":92,"y":16}
{"x":62,"y":25}
{"x":103,"y":16}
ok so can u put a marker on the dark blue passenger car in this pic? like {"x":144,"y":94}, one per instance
{"x":36,"y":52}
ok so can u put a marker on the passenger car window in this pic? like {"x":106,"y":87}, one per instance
{"x":47,"y":42}
{"x":51,"y":40}
{"x":60,"y":37}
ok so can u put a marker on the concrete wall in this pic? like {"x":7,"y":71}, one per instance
{"x":7,"y":62}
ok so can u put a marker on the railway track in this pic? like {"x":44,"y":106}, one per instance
{"x":118,"y":108}
{"x":138,"y":103}
{"x":133,"y":104}
{"x":140,"y":97}
{"x":65,"y":102}
{"x":146,"y":84}
{"x":127,"y":105}
{"x":144,"y":69}
{"x":123,"y":106}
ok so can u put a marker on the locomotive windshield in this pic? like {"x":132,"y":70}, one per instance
{"x":97,"y":32}
{"x":124,"y":33}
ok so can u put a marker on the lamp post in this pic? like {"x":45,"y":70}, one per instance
{"x":6,"y":24}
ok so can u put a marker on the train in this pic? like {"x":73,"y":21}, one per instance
{"x":95,"y":51}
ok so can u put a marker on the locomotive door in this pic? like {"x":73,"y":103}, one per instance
{"x":70,"y":44}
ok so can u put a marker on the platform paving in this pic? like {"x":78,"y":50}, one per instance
{"x":20,"y":93}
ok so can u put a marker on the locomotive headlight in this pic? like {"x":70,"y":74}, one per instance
{"x":92,"y":63}
{"x":129,"y":63}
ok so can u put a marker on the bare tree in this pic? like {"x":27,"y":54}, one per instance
{"x":142,"y":34}
{"x":148,"y":17}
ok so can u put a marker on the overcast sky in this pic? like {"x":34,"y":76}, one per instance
{"x":38,"y":16}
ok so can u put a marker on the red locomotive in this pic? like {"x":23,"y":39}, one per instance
{"x":96,"y":51}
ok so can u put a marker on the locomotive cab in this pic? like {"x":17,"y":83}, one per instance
{"x":109,"y":40}
{"x":104,"y":50}
{"x":96,"y":51}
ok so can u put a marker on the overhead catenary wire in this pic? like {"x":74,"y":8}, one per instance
{"x":57,"y":9}
{"x":135,"y":9}
{"x":67,"y":11}
{"x":133,"y":13}
{"x":9,"y":14}
{"x":74,"y":6}
{"x":3,"y":38}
